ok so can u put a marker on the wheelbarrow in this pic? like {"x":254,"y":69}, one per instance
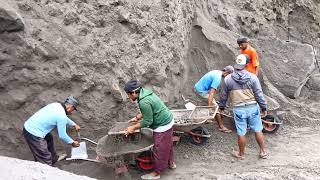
{"x":190,"y":120}
{"x":116,"y":150}
{"x":271,"y":122}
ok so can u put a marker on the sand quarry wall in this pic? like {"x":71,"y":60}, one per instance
{"x":50,"y":49}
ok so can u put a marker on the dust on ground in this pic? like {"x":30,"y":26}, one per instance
{"x":293,"y":154}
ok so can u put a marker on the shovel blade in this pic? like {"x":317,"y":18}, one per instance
{"x":79,"y":152}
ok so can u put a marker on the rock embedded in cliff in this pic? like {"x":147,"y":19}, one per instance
{"x":10,"y":21}
{"x":123,"y":15}
{"x":286,"y":64}
{"x":71,"y":18}
{"x":314,"y":82}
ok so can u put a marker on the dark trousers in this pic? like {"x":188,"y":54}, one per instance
{"x":42,"y":149}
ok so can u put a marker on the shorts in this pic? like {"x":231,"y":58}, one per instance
{"x":203,"y":95}
{"x":245,"y":115}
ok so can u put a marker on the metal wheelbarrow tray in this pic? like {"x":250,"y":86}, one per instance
{"x":118,"y":150}
{"x":190,"y":121}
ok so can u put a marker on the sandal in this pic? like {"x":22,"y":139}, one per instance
{"x":148,"y":176}
{"x":236,"y":154}
{"x":225,"y":130}
{"x":173,"y":166}
{"x":264,"y":156}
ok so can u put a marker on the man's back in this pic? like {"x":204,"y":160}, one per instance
{"x":46,"y":119}
{"x":155,"y":112}
{"x":210,"y":80}
{"x":244,"y":87}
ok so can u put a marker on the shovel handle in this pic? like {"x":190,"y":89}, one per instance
{"x":78,"y":134}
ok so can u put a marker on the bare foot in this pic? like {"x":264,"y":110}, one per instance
{"x":225,"y":130}
{"x":263,"y":155}
{"x":237,"y":155}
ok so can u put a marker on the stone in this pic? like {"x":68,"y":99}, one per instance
{"x":71,"y":18}
{"x":286,"y":64}
{"x":10,"y":20}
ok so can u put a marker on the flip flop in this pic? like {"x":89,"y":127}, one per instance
{"x":173,"y":166}
{"x":236,"y":154}
{"x":264,"y":156}
{"x":148,"y":176}
{"x":225,"y":130}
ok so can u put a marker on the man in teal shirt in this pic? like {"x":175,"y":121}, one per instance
{"x":37,"y":129}
{"x":207,"y":86}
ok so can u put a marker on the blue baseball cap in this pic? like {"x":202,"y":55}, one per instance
{"x":71,"y":100}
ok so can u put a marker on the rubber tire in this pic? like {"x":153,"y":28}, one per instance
{"x":201,"y":140}
{"x":274,"y":127}
{"x":145,"y":153}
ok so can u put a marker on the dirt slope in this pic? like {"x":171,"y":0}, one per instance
{"x":50,"y":49}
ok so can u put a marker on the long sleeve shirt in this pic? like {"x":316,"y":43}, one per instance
{"x":46,"y":119}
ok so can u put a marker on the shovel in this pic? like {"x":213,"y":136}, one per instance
{"x":80,"y":153}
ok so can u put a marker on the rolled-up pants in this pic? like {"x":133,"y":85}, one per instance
{"x":42,"y":149}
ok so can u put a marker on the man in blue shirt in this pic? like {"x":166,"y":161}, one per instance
{"x":207,"y":86}
{"x":37,"y":129}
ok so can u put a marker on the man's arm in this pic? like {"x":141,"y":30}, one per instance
{"x":258,"y":94}
{"x":62,"y":130}
{"x":71,"y":123}
{"x":147,"y":112}
{"x":211,"y":97}
{"x":223,"y":95}
{"x":255,"y":61}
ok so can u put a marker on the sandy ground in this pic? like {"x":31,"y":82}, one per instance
{"x":293,"y":154}
{"x":90,"y":48}
{"x":16,"y":169}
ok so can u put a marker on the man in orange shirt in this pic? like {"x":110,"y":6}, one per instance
{"x":245,"y":48}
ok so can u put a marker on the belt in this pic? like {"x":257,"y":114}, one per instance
{"x":246,"y":104}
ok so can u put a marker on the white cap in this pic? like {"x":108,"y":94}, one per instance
{"x":241,"y":61}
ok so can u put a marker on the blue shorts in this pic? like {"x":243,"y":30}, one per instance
{"x":245,"y":115}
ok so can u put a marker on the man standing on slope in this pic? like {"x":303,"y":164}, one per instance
{"x":246,"y":48}
{"x":246,"y":97}
{"x":207,"y":86}
{"x":37,"y":130}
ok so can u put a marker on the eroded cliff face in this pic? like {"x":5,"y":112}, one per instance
{"x":50,"y":49}
{"x":90,"y":48}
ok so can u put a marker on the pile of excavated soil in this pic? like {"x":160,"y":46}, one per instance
{"x":50,"y":49}
{"x":16,"y":169}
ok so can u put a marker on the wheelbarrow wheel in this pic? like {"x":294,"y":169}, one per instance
{"x":144,"y":161}
{"x":196,"y":139}
{"x":268,"y":127}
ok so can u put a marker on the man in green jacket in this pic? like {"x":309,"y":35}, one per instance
{"x":157,"y":116}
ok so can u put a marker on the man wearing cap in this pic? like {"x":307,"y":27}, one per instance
{"x":207,"y":86}
{"x":37,"y":130}
{"x":247,"y":99}
{"x":155,"y":115}
{"x":246,"y":48}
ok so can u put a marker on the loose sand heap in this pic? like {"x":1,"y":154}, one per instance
{"x":16,"y":169}
{"x":50,"y":49}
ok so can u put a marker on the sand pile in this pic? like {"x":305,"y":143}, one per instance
{"x":50,"y":49}
{"x":17,"y":169}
